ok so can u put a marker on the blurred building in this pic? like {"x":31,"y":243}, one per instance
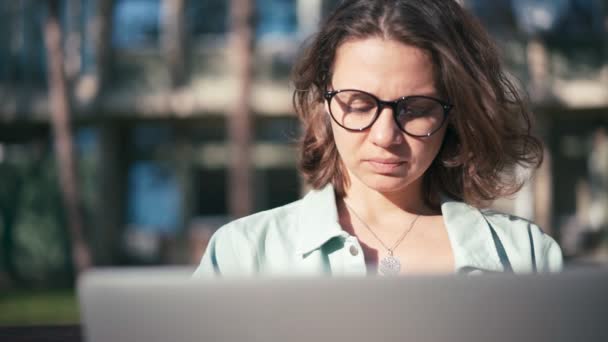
{"x":153,"y":151}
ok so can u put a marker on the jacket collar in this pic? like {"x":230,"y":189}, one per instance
{"x":317,"y":220}
{"x":470,"y":236}
{"x":468,"y":230}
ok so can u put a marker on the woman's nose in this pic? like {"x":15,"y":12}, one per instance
{"x":384,"y":132}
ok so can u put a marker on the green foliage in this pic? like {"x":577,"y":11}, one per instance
{"x":36,"y":234}
{"x":38,"y":308}
{"x":40,"y":233}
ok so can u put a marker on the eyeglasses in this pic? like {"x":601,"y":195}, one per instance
{"x":417,"y":116}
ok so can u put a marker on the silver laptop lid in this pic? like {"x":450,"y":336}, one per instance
{"x":167,"y":305}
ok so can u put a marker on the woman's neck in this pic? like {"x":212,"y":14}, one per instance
{"x":379,"y":207}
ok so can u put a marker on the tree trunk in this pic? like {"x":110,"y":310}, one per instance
{"x":174,"y":40}
{"x":240,"y":119}
{"x":62,"y":132}
{"x":538,"y":69}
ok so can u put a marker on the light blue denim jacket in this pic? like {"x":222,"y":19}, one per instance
{"x":305,"y":238}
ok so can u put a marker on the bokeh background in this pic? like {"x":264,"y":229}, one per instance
{"x":131,"y":129}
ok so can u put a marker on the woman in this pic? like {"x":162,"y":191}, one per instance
{"x":409,"y":126}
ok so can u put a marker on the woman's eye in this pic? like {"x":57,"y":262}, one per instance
{"x":360,"y":109}
{"x":360,"y":106}
{"x":416,"y":112}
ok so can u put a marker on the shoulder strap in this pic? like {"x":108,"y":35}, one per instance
{"x":502,"y":254}
{"x":500,"y":249}
{"x":532,"y":251}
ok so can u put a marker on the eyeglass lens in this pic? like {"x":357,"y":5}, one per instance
{"x":415,"y":115}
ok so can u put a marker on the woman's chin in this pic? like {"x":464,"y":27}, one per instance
{"x":386,"y":185}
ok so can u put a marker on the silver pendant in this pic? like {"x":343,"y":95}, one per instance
{"x":390,"y":266}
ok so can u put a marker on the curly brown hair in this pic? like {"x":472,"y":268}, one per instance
{"x":488,"y":132}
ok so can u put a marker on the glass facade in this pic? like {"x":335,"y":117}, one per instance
{"x":276,"y":17}
{"x":136,"y":23}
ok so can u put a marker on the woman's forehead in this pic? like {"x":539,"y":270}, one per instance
{"x":382,"y":66}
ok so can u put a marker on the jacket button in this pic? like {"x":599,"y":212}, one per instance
{"x":354,"y":251}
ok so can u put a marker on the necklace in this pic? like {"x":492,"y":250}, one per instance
{"x":389,"y":265}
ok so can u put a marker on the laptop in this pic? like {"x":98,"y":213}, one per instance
{"x":121,"y":305}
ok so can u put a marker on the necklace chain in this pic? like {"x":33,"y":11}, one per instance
{"x":390,"y":250}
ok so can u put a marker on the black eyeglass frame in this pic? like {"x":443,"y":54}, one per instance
{"x":394,"y":105}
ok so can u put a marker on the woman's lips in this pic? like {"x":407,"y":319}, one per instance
{"x":385,"y":166}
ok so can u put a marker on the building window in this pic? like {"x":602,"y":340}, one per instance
{"x":276,"y":17}
{"x":271,"y":17}
{"x":208,"y":17}
{"x":22,"y":57}
{"x":564,"y":19}
{"x":212,"y":192}
{"x":136,"y":23}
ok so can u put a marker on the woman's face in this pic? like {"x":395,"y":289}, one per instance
{"x":384,"y":158}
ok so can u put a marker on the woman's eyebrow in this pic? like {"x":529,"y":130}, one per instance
{"x":428,"y":92}
{"x":432,"y":93}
